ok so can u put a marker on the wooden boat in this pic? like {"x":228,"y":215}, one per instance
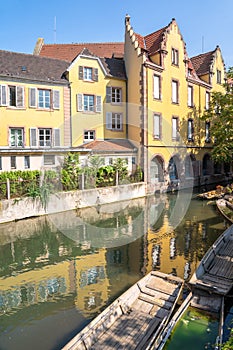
{"x":211,"y":195}
{"x":226,"y":209}
{"x":134,"y":318}
{"x":215,"y":271}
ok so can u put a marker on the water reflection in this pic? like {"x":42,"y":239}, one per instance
{"x":58,"y":272}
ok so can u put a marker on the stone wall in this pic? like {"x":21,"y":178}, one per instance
{"x":16,"y":209}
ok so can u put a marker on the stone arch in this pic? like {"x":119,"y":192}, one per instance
{"x":157,"y":169}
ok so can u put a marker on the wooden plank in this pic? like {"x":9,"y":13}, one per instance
{"x":162,"y":303}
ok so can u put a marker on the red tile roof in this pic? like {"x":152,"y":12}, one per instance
{"x":119,"y":145}
{"x":202,"y":62}
{"x":151,"y":42}
{"x":70,"y":51}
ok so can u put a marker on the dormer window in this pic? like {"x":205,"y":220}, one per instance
{"x":88,"y":73}
{"x":175,"y":57}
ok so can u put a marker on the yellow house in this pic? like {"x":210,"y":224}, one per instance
{"x":167,"y":95}
{"x":98,"y":98}
{"x":34,"y":111}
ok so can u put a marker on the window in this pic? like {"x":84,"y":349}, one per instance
{"x":157,"y":87}
{"x":44,"y":98}
{"x":157,"y":126}
{"x":174,"y":91}
{"x":207,"y":132}
{"x":175,"y":57}
{"x":114,"y":121}
{"x":88,"y":73}
{"x":26,"y":162}
{"x":89,"y":135}
{"x":89,"y":103}
{"x":190,"y":130}
{"x":175,"y":134}
{"x":219,"y":76}
{"x":113,"y":94}
{"x":49,"y":159}
{"x":3,"y":95}
{"x":16,"y":96}
{"x":13,"y":162}
{"x":45,"y":137}
{"x":16,"y":137}
{"x":190,"y":96}
{"x":207,"y":100}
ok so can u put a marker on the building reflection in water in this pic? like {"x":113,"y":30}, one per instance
{"x":84,"y":260}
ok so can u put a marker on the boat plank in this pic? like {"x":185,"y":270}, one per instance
{"x":162,"y":303}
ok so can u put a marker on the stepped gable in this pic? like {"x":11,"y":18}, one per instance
{"x":70,"y":51}
{"x":120,"y":145}
{"x":27,"y":66}
{"x":202,"y":63}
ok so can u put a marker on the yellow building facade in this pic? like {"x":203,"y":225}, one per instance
{"x":168,"y":92}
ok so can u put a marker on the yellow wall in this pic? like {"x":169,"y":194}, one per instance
{"x":94,"y":120}
{"x":27,"y":117}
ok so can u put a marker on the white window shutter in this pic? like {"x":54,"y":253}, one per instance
{"x":156,"y":125}
{"x":19,"y":96}
{"x":109,"y":120}
{"x":98,"y":107}
{"x":174,"y":128}
{"x":56,"y":99}
{"x":3,"y":100}
{"x":156,"y":87}
{"x":56,"y":138}
{"x":95,"y":74}
{"x":108,"y":94}
{"x":79,"y":100}
{"x":33,"y":137}
{"x":32,"y":97}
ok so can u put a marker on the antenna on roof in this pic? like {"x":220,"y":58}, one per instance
{"x":202,"y":44}
{"x":55,"y":30}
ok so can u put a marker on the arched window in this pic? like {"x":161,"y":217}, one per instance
{"x":172,"y":168}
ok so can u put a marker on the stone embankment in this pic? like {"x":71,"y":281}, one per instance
{"x":21,"y":208}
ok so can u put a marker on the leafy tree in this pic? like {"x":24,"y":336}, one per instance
{"x":70,"y":172}
{"x":220,"y":115}
{"x":120,"y":168}
{"x":95,"y":162}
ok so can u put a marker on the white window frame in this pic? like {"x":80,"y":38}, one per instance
{"x":89,"y":135}
{"x":113,"y":120}
{"x":175,"y":57}
{"x":88,"y":103}
{"x":18,"y":99}
{"x":207,"y":100}
{"x":45,"y":137}
{"x":116,"y":95}
{"x":190,"y":96}
{"x":156,"y":88}
{"x":175,"y":92}
{"x":18,"y":139}
{"x":44,"y":99}
{"x":157,"y":126}
{"x":87,"y":73}
{"x":207,"y":132}
{"x":175,"y":128}
{"x":190,"y":130}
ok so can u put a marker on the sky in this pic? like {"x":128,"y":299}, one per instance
{"x":204,"y":24}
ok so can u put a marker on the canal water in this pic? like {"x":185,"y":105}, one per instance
{"x":58,"y":272}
